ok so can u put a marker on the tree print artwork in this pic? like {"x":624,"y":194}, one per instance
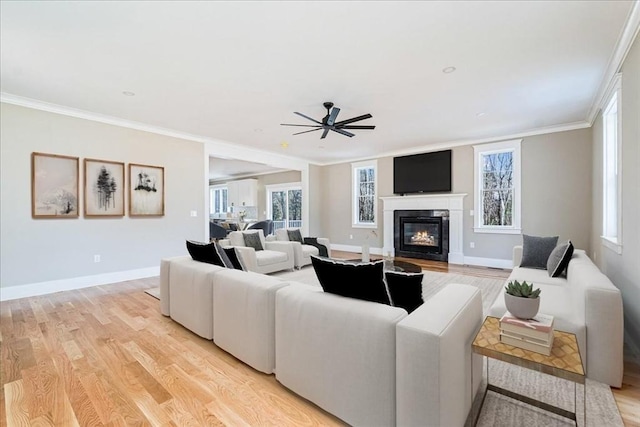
{"x":104,"y":188}
{"x":146,"y":190}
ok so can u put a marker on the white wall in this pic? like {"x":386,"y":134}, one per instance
{"x":623,"y":269}
{"x":45,"y":250}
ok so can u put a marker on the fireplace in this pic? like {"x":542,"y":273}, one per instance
{"x":422,"y":234}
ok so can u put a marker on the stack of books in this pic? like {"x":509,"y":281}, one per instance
{"x":530,"y":334}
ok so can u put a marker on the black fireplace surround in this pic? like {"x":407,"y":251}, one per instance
{"x":421,"y":234}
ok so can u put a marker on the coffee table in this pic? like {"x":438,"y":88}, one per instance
{"x":395,"y":265}
{"x":564,"y":362}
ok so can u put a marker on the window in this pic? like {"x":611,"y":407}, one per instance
{"x":284,"y":202}
{"x":497,"y":187}
{"x":365,"y":202}
{"x":611,"y":173}
{"x":218,"y":200}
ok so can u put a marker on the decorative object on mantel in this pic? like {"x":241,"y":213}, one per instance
{"x":521,"y":299}
{"x":54,"y":186}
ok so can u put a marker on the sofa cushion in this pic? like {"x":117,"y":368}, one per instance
{"x":536,"y":251}
{"x":559,"y":259}
{"x":295,"y":236}
{"x":268,"y":257}
{"x":308,"y":250}
{"x":355,"y":280}
{"x":234,"y":258}
{"x":252,"y":240}
{"x":405,"y":289}
{"x":211,"y":253}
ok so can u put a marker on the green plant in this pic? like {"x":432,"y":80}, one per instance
{"x":523,"y":290}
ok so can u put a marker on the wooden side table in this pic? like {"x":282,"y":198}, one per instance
{"x":564,"y":362}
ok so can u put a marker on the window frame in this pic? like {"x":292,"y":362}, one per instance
{"x":611,"y":101}
{"x":212,"y":198}
{"x":514,"y":146}
{"x":355,"y":167}
{"x":287,"y":186}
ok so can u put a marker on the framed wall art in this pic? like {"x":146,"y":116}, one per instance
{"x":103,"y":188}
{"x":146,"y":190}
{"x":54,"y":186}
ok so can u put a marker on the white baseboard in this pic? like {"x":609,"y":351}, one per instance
{"x":43,"y":288}
{"x":489,"y":262}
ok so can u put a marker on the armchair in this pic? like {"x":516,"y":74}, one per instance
{"x":302,"y":251}
{"x":275,"y":256}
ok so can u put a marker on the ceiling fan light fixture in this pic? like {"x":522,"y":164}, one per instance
{"x":329,"y":122}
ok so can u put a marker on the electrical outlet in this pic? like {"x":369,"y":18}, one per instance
{"x":472,"y":245}
{"x":351,"y":236}
{"x":96,"y":258}
{"x":194,"y":213}
{"x":471,"y":212}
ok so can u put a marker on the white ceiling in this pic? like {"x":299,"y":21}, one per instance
{"x":234,"y":71}
{"x":222,"y":169}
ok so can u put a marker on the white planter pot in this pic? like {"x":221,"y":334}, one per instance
{"x":523,"y":308}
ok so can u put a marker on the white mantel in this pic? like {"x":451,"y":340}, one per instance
{"x":452,"y":202}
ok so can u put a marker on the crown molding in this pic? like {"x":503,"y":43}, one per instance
{"x":452,"y":144}
{"x":213,"y":145}
{"x":625,"y":41}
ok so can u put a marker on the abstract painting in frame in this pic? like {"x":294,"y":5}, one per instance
{"x":54,"y":186}
{"x":103,"y":188}
{"x":146,"y":190}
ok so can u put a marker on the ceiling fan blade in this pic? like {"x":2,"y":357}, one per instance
{"x":307,"y":131}
{"x":343,"y":132}
{"x":333,"y":115}
{"x":306,"y":126}
{"x":307,"y":117}
{"x":355,"y":119}
{"x":324,"y":134}
{"x":356,"y":127}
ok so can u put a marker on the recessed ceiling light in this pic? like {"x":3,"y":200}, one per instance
{"x":448,"y":70}
{"x":284,"y":144}
{"x":321,"y":147}
{"x":128,"y":93}
{"x":257,"y":130}
{"x":480,"y":114}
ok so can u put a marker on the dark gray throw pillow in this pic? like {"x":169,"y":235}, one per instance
{"x":352,"y":279}
{"x":405,"y":289}
{"x":536,"y":251}
{"x":235,"y":258}
{"x":252,"y":240}
{"x":559,"y":259}
{"x":295,"y":236}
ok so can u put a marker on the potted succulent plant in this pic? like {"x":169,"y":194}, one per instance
{"x":521,"y":299}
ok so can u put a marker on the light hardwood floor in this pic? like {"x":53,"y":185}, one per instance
{"x":106,"y":356}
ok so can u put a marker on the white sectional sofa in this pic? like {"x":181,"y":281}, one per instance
{"x":367,"y":363}
{"x":586,"y":303}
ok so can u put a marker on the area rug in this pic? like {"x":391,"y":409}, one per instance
{"x":498,"y":410}
{"x":154,"y":292}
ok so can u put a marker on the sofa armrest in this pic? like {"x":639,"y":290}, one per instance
{"x":248,"y":256}
{"x":225,"y":243}
{"x":441,"y":332}
{"x":270,"y":238}
{"x":517,"y":255}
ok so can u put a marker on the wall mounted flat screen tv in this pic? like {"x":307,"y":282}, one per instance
{"x":422,"y":173}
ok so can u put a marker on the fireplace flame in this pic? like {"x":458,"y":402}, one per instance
{"x":423,"y":238}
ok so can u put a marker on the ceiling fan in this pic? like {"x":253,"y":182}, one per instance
{"x":329,"y":122}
